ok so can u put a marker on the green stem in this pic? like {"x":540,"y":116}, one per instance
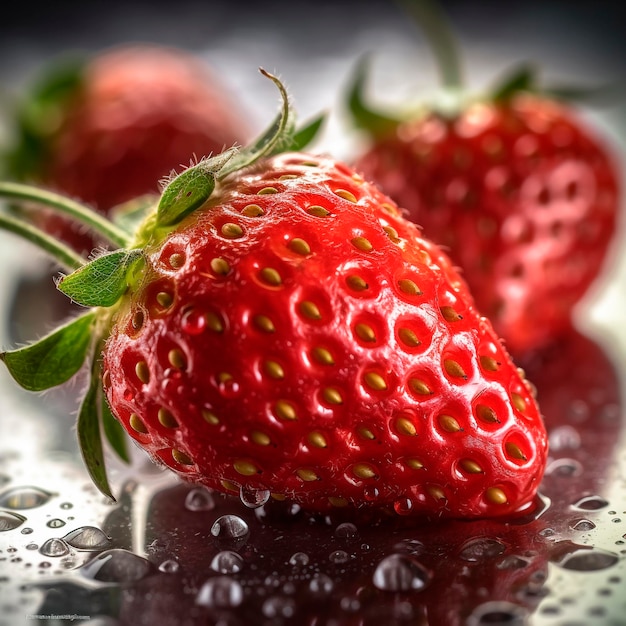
{"x":66,"y":206}
{"x":65,"y":256}
{"x":441,"y":38}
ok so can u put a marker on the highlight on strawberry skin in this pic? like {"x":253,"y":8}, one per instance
{"x":274,"y":326}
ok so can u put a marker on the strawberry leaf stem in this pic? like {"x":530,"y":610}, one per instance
{"x":61,"y":204}
{"x":436,"y":28}
{"x":62,"y":254}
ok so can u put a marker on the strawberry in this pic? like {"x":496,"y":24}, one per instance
{"x":516,"y":185}
{"x":129,"y":114}
{"x":276,"y":327}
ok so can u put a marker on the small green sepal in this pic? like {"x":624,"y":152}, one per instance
{"x":103,"y":281}
{"x":306,"y":134}
{"x":53,"y":360}
{"x":521,"y":78}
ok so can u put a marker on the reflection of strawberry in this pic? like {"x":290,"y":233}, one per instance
{"x":276,"y":327}
{"x":109,"y":128}
{"x":519,"y":189}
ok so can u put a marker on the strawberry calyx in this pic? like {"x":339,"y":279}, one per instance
{"x":99,"y":283}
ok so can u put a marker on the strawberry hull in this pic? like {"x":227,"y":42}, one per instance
{"x":297,"y":337}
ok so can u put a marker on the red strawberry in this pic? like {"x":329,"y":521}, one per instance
{"x":522,"y":192}
{"x":107,"y":130}
{"x":288,"y":332}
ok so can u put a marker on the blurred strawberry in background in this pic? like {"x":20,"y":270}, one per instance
{"x":109,"y":127}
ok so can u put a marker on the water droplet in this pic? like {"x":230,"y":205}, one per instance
{"x":220,"y":592}
{"x":254,"y":498}
{"x":231,"y":526}
{"x":582,"y":525}
{"x":404,"y":506}
{"x":10,"y":521}
{"x":279,"y":607}
{"x":564,"y":468}
{"x":499,"y":613}
{"x":339,"y":556}
{"x":590,"y":503}
{"x":54,"y":547}
{"x":66,"y":505}
{"x":299,"y":559}
{"x":24,"y":498}
{"x":55,"y":523}
{"x":346,"y":531}
{"x":399,"y":572}
{"x":588,"y":560}
{"x":199,"y":499}
{"x":193,"y":322}
{"x":410,"y":546}
{"x":481,"y":549}
{"x":170,"y":566}
{"x":228,"y":388}
{"x":321,"y":584}
{"x":31,"y":546}
{"x":564,"y":438}
{"x":227,"y":562}
{"x":513,"y":562}
{"x":26,"y":531}
{"x":350,"y":604}
{"x":117,"y":566}
{"x":87,"y":538}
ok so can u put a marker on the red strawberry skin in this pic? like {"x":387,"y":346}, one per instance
{"x":298,"y":336}
{"x":522,"y":195}
{"x":140,"y":111}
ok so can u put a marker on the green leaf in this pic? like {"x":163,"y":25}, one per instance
{"x":89,"y":437}
{"x":363,"y":116}
{"x":54,"y":359}
{"x":521,"y":78}
{"x":190,"y":189}
{"x":113,"y":430}
{"x":273,"y":140}
{"x":103,"y":281}
{"x":305,"y":135}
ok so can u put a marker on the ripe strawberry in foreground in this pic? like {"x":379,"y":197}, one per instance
{"x":277,"y":327}
{"x":130,"y":114}
{"x":520,"y":190}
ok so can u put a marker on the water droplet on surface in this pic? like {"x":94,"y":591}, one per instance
{"x":24,"y":498}
{"x":564,"y":468}
{"x":588,"y":560}
{"x":66,"y":505}
{"x":227,"y":562}
{"x":346,"y":531}
{"x":32,"y":546}
{"x":87,"y":538}
{"x":170,"y":566}
{"x":117,"y":566}
{"x":564,"y":438}
{"x":254,"y":498}
{"x":582,"y":525}
{"x":10,"y":521}
{"x":481,"y":549}
{"x":399,"y":572}
{"x":299,"y":559}
{"x":279,"y":607}
{"x":55,"y":523}
{"x":199,"y":499}
{"x":54,"y":547}
{"x":590,"y":503}
{"x":231,"y":526}
{"x":338,"y":557}
{"x":321,"y":585}
{"x":498,"y":614}
{"x":220,"y":592}
{"x":193,"y":322}
{"x":26,"y":531}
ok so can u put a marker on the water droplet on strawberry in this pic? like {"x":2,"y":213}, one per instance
{"x":253,"y":498}
{"x":231,"y":526}
{"x":199,"y":499}
{"x":403,"y":506}
{"x":10,"y":521}
{"x":398,"y":572}
{"x":54,"y":547}
{"x":193,"y":322}
{"x":87,"y":538}
{"x":24,"y":498}
{"x":220,"y":592}
{"x":227,"y":562}
{"x":228,"y":388}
